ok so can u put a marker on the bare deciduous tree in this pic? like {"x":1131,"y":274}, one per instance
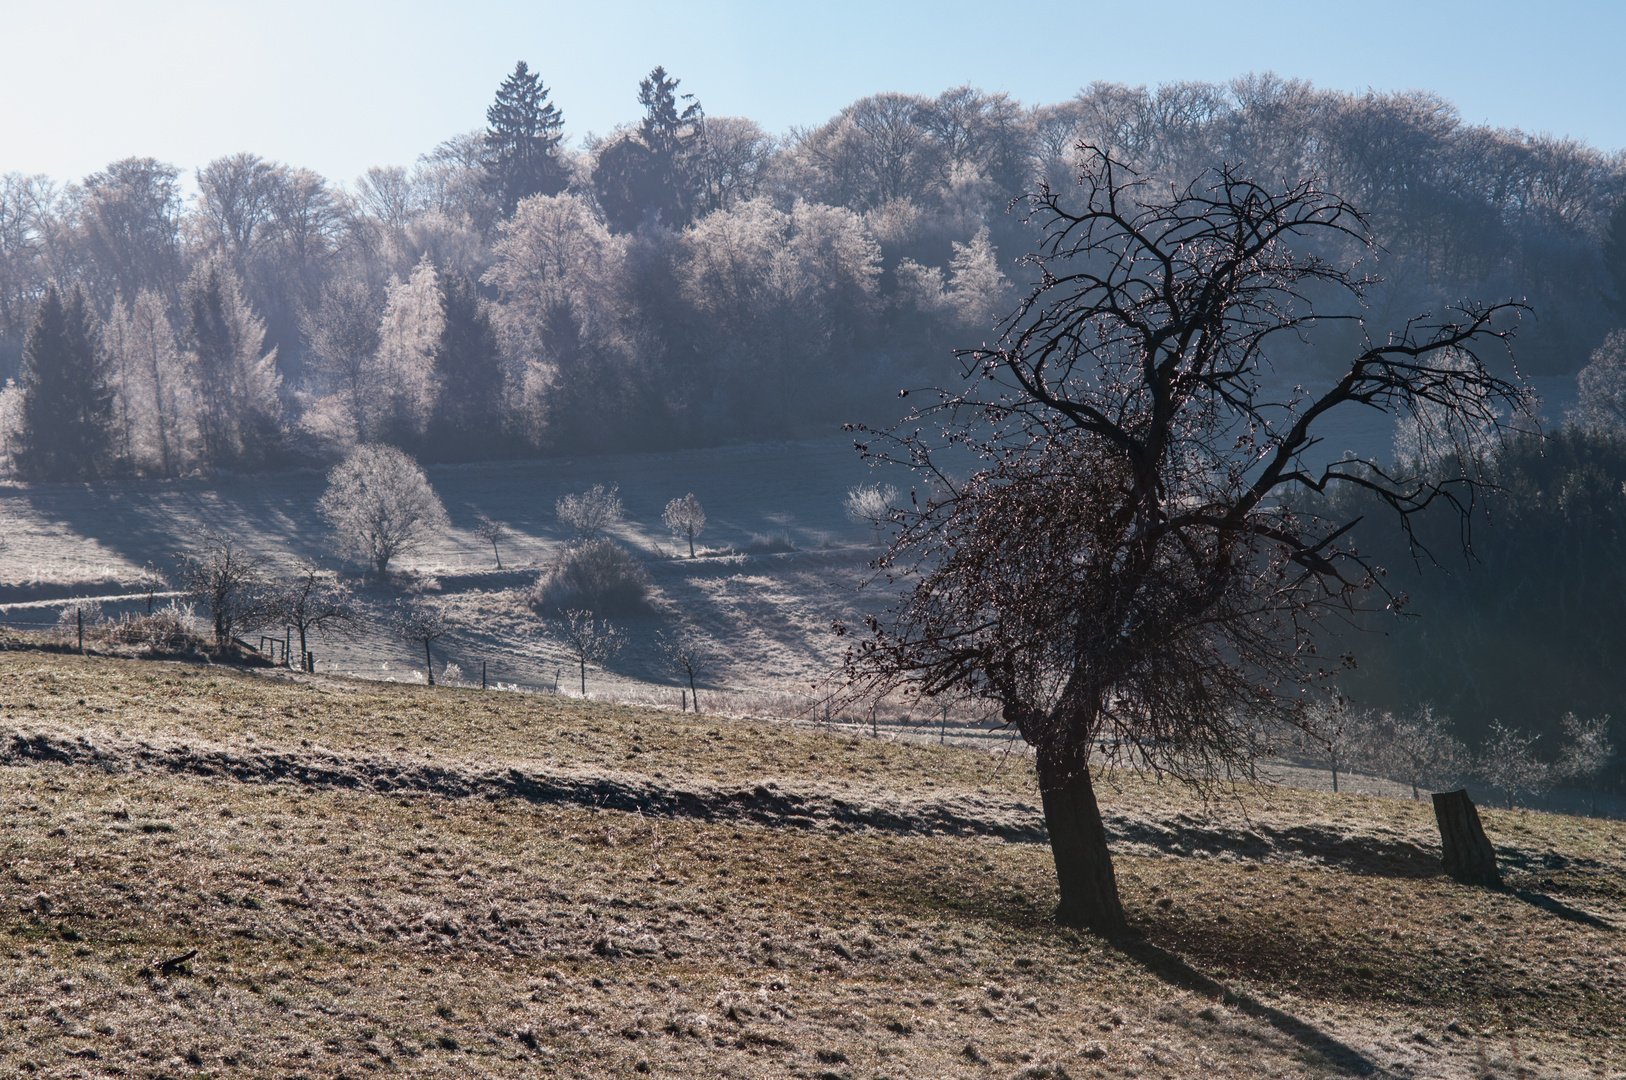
{"x":418,"y":623}
{"x":590,"y":641}
{"x":1602,"y":405}
{"x":311,"y":602}
{"x":589,"y":514}
{"x":1126,"y":573}
{"x":491,"y":531}
{"x":1420,"y":750}
{"x":381,"y":505}
{"x":1508,"y":760}
{"x":683,"y":517}
{"x":871,"y":503}
{"x":686,"y":655}
{"x":1586,"y":748}
{"x":228,"y":582}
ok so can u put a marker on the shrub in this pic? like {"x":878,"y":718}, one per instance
{"x":169,"y":629}
{"x":599,"y":576}
{"x":68,"y":619}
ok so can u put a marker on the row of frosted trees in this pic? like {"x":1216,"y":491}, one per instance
{"x":688,"y":279}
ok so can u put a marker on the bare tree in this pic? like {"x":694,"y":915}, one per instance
{"x":871,"y":504}
{"x":1127,"y":572}
{"x":1602,"y":405}
{"x":381,"y":505}
{"x":589,"y":514}
{"x":683,"y":517}
{"x":312,"y":602}
{"x":1586,"y":748}
{"x":491,"y":531}
{"x":1508,"y":760}
{"x":149,"y":581}
{"x":417,"y":623}
{"x":1420,"y":750}
{"x":686,"y":655}
{"x":229,"y":584}
{"x":590,"y":641}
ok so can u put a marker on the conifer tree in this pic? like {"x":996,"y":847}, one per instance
{"x":234,"y":383}
{"x":655,"y":173}
{"x":67,"y":407}
{"x":522,"y":142}
{"x":469,"y":370}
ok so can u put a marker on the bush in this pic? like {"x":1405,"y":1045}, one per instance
{"x":170,"y":629}
{"x":599,"y":576}
{"x":68,"y":620}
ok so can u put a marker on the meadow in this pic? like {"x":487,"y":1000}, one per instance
{"x":217,"y":872}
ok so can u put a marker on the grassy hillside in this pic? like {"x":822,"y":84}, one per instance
{"x":384,"y":880}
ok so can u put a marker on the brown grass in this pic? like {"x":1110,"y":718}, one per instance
{"x":345,"y":931}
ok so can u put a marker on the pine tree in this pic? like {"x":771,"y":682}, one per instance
{"x":469,"y":370}
{"x":67,"y":408}
{"x":522,"y":142}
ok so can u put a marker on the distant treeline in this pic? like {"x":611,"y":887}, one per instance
{"x":691,"y":279}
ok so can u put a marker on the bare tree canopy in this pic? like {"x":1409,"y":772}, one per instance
{"x":490,"y":530}
{"x":380,"y":505}
{"x":683,"y":517}
{"x":589,"y":514}
{"x":418,"y":623}
{"x":312,"y":601}
{"x":590,"y":641}
{"x":1125,"y":573}
{"x":228,"y":582}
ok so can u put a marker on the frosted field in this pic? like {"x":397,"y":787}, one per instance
{"x":766,"y":610}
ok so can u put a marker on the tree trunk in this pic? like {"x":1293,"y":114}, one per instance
{"x":1078,"y":843}
{"x":1466,"y":851}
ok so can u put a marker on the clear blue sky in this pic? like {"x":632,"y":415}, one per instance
{"x":338,"y":85}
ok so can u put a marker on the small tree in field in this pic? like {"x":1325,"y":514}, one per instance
{"x":686,"y":655}
{"x":228,"y":583}
{"x":419,"y":624}
{"x":872,"y":504}
{"x":380,"y":505}
{"x":1508,"y":760}
{"x":683,"y":517}
{"x":312,"y":602}
{"x":590,"y":641}
{"x":1586,"y":748}
{"x":589,"y":514}
{"x":491,"y":531}
{"x":1127,"y":575}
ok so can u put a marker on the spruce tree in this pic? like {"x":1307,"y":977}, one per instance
{"x":654,"y":174}
{"x":67,"y":412}
{"x":522,"y":142}
{"x":469,"y":371}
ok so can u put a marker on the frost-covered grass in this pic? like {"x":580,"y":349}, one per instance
{"x":437,"y":882}
{"x":778,"y":559}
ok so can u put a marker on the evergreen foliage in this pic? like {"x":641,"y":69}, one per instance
{"x":467,"y":420}
{"x":67,"y":407}
{"x":522,"y":142}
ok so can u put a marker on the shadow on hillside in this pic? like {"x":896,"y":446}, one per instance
{"x":1562,"y":910}
{"x":1175,"y":971}
{"x":1371,"y":854}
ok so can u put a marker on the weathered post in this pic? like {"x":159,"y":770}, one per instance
{"x":685,"y":701}
{"x":1465,"y":849}
{"x":79,"y":617}
{"x":482,"y":674}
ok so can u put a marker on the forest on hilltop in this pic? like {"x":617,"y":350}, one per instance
{"x":689,"y":279}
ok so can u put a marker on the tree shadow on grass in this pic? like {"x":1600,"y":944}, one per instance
{"x":1175,"y":971}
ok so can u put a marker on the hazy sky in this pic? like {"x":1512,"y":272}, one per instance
{"x":338,"y":85}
